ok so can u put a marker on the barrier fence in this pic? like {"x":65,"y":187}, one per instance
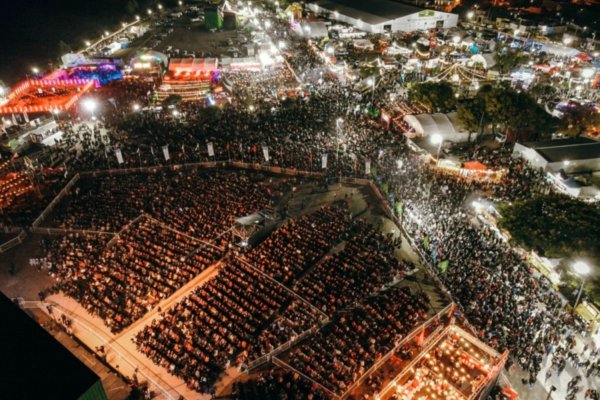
{"x":399,"y":344}
{"x":55,"y":201}
{"x":4,"y":247}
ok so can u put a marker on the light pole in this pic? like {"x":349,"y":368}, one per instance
{"x":338,"y":123}
{"x":582,"y":269}
{"x":90,"y":105}
{"x":437,"y":139}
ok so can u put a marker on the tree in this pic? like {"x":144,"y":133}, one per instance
{"x":437,"y":96}
{"x":579,"y":119}
{"x":132,"y":7}
{"x":554,"y":225}
{"x":507,"y":59}
{"x":543,"y":92}
{"x":516,"y":113}
{"x":471,"y":115}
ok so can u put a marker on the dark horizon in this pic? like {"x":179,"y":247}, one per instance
{"x":33,"y":30}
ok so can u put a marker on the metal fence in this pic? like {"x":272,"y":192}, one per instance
{"x":4,"y":247}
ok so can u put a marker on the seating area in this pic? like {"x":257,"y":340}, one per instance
{"x":287,"y":253}
{"x":213,"y":326}
{"x":342,"y":351}
{"x":222,"y":322}
{"x":145,"y":264}
{"x":364,"y":266}
{"x":201,"y":204}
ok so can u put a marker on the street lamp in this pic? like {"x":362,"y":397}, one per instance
{"x":160,"y":7}
{"x":149,"y":12}
{"x":87,"y":43}
{"x":136,"y":107}
{"x":338,"y":123}
{"x":437,"y":139}
{"x":90,"y":105}
{"x":582,"y":269}
{"x":470,"y":15}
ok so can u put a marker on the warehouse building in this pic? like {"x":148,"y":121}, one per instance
{"x":379,"y":16}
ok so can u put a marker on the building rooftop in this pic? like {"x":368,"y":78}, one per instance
{"x":372,"y":11}
{"x":566,"y":149}
{"x":34,"y":364}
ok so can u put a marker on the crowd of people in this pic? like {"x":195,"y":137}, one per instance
{"x":342,"y":351}
{"x":218,"y":324}
{"x":123,"y":279}
{"x":201,"y":204}
{"x":328,"y":132}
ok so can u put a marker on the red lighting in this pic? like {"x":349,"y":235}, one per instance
{"x":46,"y":95}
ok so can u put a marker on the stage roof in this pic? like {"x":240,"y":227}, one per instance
{"x":35,"y":365}
{"x":46,"y":95}
{"x":372,"y":11}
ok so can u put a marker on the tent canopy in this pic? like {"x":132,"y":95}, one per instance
{"x":445,"y":125}
{"x":475,"y":166}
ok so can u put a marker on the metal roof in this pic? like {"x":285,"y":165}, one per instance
{"x":566,"y":149}
{"x":371,"y":11}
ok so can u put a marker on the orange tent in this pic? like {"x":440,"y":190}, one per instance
{"x":475,"y":166}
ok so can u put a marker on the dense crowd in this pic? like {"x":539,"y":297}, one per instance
{"x":342,"y":351}
{"x":131,"y":274}
{"x":200,"y":204}
{"x":221,"y":320}
{"x":247,"y":308}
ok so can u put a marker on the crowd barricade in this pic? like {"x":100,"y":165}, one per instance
{"x":55,"y":201}
{"x":284,"y":365}
{"x":399,"y":344}
{"x":4,"y":247}
{"x":284,"y":347}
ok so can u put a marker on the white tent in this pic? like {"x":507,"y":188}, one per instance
{"x":314,"y":29}
{"x":445,"y":125}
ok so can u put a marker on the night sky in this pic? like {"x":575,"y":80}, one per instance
{"x":32,"y":29}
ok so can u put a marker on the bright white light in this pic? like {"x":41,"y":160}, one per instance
{"x":566,"y":163}
{"x":175,"y":113}
{"x":436,"y":139}
{"x":477,"y":206}
{"x":149,"y":12}
{"x":160,"y":6}
{"x":89,"y":105}
{"x":106,"y":33}
{"x":281,"y":45}
{"x":456,"y":39}
{"x":251,"y":108}
{"x":35,"y":70}
{"x":87,"y":43}
{"x":267,"y":24}
{"x":587,"y":73}
{"x":470,"y":14}
{"x":399,"y":164}
{"x":180,"y":3}
{"x":581,"y":268}
{"x":567,"y":40}
{"x":136,"y":107}
{"x":137,"y":17}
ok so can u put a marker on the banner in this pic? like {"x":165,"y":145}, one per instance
{"x":211,"y":149}
{"x":165,"y":150}
{"x":265,"y":150}
{"x":368,"y":167}
{"x":119,"y":156}
{"x":443,"y":266}
{"x":324,"y":161}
